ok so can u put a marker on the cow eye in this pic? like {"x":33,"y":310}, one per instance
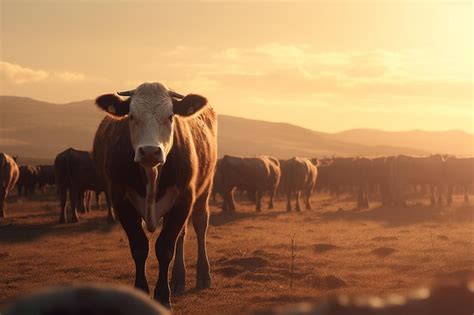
{"x":171,"y":117}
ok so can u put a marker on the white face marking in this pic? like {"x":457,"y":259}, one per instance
{"x":149,"y":118}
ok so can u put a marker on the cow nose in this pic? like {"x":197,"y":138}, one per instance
{"x":151,"y":155}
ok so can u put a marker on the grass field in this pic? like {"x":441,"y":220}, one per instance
{"x":337,"y":249}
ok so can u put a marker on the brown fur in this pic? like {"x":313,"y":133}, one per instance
{"x":299,"y":176}
{"x":9,"y":173}
{"x":458,"y":172}
{"x":256,"y":175}
{"x":28,"y":179}
{"x":189,"y":166}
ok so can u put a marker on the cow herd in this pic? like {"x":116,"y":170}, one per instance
{"x":389,"y":177}
{"x":155,"y":156}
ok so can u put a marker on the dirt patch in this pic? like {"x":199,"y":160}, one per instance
{"x":258,"y":277}
{"x":334,"y":282}
{"x":249,"y":263}
{"x":443,"y":237}
{"x":230,"y":272}
{"x":385,"y":238}
{"x":383,"y":251}
{"x":323,"y":247}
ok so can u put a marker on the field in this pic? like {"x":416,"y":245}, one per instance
{"x":337,"y":249}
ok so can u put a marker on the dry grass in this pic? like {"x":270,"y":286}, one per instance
{"x":337,"y":249}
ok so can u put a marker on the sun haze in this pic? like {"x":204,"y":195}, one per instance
{"x":324,"y":65}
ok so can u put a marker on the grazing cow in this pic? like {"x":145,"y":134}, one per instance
{"x":85,"y":299}
{"x":45,"y":176}
{"x":350,"y":172}
{"x":256,"y":175}
{"x":378,"y":175}
{"x":75,"y":173}
{"x":458,"y":172}
{"x":27,"y":181}
{"x":157,"y":152}
{"x":9,"y":174}
{"x":299,"y":175}
{"x":417,"y":170}
{"x":217,"y":182}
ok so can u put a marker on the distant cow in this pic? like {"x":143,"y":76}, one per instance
{"x":85,"y":299}
{"x":299,"y":176}
{"x":27,"y":181}
{"x":157,"y":154}
{"x":378,"y":175}
{"x":75,"y":173}
{"x":349,"y":172}
{"x":417,"y":170}
{"x":45,"y":176}
{"x":458,"y":172}
{"x":9,"y":174}
{"x":256,"y":175}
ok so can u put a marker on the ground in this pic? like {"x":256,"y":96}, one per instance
{"x":337,"y":249}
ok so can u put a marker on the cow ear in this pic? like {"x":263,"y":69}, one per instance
{"x":190,"y":105}
{"x":113,"y":105}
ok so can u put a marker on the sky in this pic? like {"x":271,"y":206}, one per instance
{"x":325,"y":65}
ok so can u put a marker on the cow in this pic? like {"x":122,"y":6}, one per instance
{"x":75,"y":173}
{"x":82,"y":299}
{"x":45,"y":176}
{"x":417,"y":170}
{"x":256,"y":175}
{"x":157,"y":152}
{"x":378,"y":175}
{"x":346,"y":171}
{"x":299,"y":176}
{"x":458,"y":172}
{"x":27,"y":181}
{"x":9,"y":174}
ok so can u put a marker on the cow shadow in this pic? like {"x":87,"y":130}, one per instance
{"x":15,"y":230}
{"x":393,"y":216}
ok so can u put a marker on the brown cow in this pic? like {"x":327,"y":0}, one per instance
{"x":45,"y":176}
{"x":299,"y":175}
{"x":157,"y":154}
{"x":458,"y":172}
{"x":349,"y":172}
{"x":9,"y":174}
{"x":27,"y":181}
{"x":75,"y":173}
{"x":378,"y":175}
{"x":256,"y":175}
{"x":417,"y":170}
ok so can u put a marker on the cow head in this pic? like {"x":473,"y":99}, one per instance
{"x":150,"y":109}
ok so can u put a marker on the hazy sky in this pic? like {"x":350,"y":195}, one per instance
{"x":325,"y":65}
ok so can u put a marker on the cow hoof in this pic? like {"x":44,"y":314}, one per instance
{"x":177,"y":288}
{"x":202,"y":284}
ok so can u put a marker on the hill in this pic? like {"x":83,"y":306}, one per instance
{"x":39,"y":129}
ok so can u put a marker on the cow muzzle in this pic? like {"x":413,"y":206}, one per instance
{"x":150,"y":156}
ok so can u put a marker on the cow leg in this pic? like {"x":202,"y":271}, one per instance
{"x":3,"y":202}
{"x":200,"y":223}
{"x":307,"y":201}
{"x":432,"y":195}
{"x":272,"y":197}
{"x":232,"y":200}
{"x":97,"y":200}
{"x":258,"y":200}
{"x":165,"y":248}
{"x":138,"y":242}
{"x":80,"y":201}
{"x":110,"y":211}
{"x":449,"y":198}
{"x":288,"y":201}
{"x":466,"y":196}
{"x":74,"y":197}
{"x":87,"y":202}
{"x":298,"y":196}
{"x":178,"y":275}
{"x":62,"y":203}
{"x":439,"y":190}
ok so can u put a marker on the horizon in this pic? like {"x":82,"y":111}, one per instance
{"x":389,"y":65}
{"x":277,"y":121}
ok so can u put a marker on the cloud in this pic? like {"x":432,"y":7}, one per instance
{"x":17,"y":74}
